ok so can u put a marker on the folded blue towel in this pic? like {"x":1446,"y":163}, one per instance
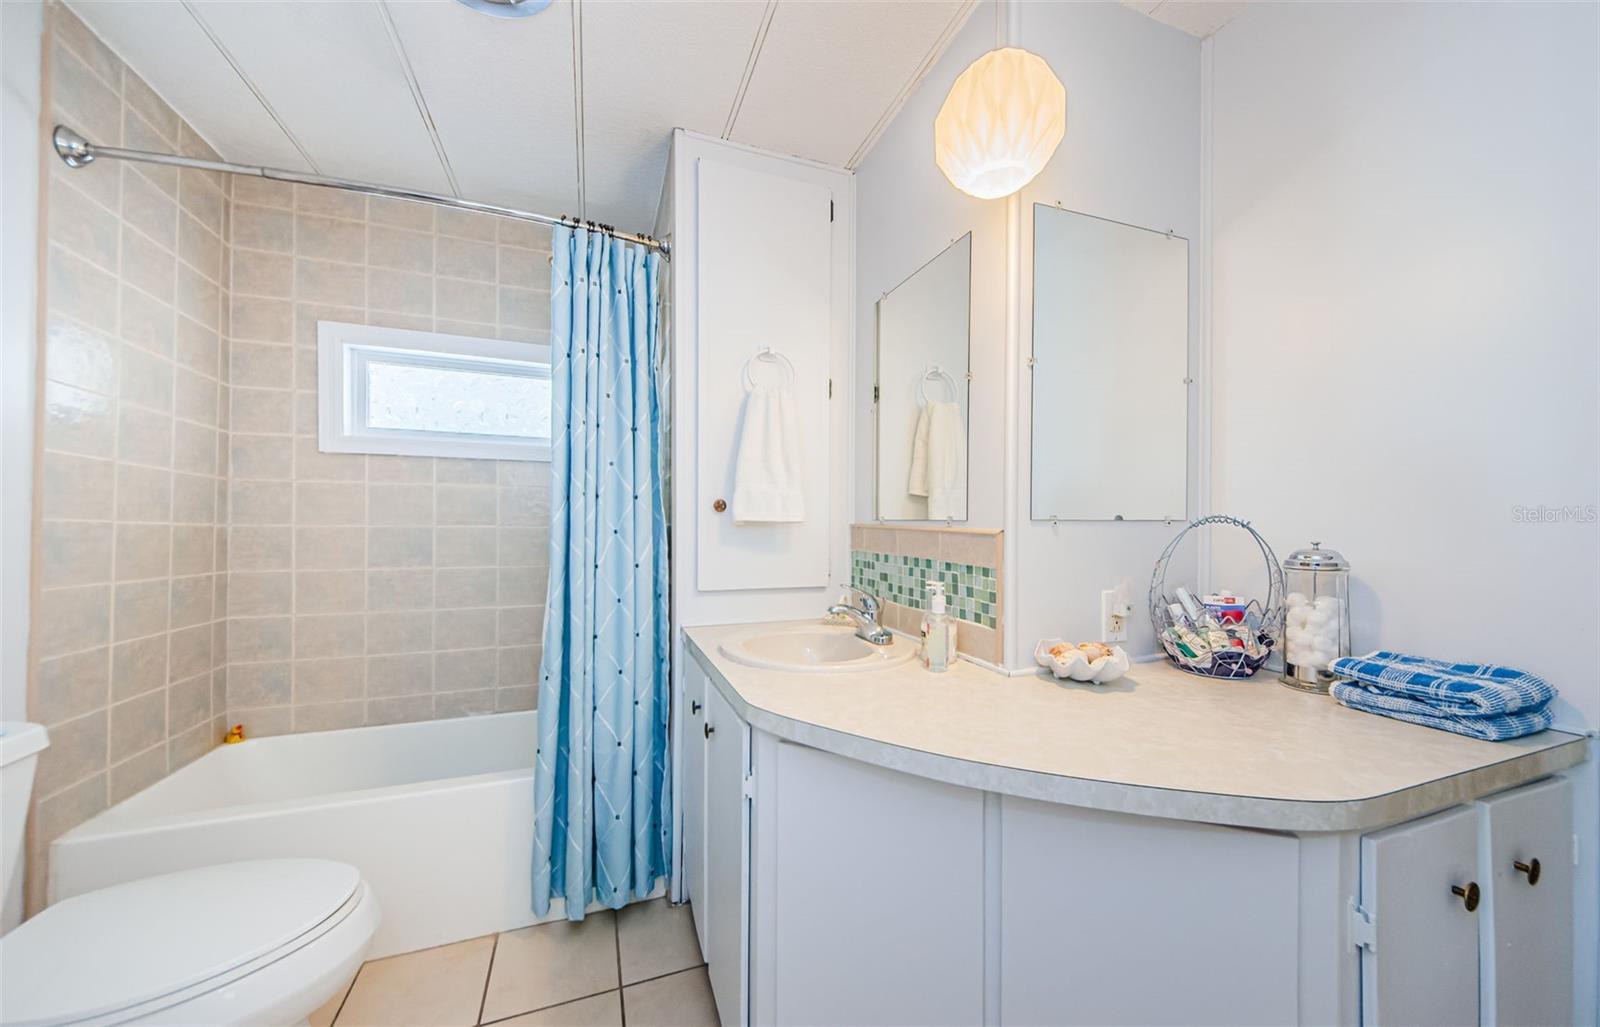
{"x":1490,"y":728}
{"x":1479,"y":700}
{"x":1458,"y":689}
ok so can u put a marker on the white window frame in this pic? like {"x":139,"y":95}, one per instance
{"x":343,"y":351}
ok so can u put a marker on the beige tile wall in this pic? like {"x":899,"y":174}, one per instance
{"x":374,"y":589}
{"x":128,"y":642}
{"x":179,"y":395}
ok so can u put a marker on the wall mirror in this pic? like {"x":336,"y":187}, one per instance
{"x":1110,"y":370}
{"x":922,"y":390}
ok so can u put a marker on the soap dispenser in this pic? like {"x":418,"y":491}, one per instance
{"x":938,"y":632}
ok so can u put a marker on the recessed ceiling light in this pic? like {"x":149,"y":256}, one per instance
{"x":507,"y":8}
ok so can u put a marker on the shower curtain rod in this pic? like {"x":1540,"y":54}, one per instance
{"x":76,"y":151}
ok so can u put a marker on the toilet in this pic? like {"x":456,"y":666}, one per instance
{"x":255,"y":942}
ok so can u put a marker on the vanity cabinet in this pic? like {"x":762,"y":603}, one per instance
{"x":1466,"y":916}
{"x":1525,"y":870}
{"x":727,"y":857}
{"x":837,"y":878}
{"x":692,"y":797}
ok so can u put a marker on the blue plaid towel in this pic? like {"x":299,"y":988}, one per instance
{"x":1490,"y":728}
{"x":1475,"y":699}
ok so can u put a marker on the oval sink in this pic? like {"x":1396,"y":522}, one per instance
{"x":814,"y":648}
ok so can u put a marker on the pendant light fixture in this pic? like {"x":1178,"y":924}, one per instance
{"x":1000,"y":124}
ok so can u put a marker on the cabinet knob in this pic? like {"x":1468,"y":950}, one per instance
{"x":694,"y":707}
{"x":720,"y":505}
{"x":1469,"y":895}
{"x":1531,"y":868}
{"x":710,"y":729}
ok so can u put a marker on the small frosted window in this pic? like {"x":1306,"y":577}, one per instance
{"x":469,"y":402}
{"x":410,"y":393}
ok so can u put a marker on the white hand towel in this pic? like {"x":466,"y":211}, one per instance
{"x":768,"y":479}
{"x":947,"y":462}
{"x":917,"y":485}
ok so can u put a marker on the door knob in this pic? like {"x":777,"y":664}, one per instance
{"x":1469,"y":895}
{"x":1531,"y":868}
{"x":720,"y":505}
{"x":710,"y":729}
{"x":694,"y":707}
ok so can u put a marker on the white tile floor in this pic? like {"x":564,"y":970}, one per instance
{"x":639,"y":967}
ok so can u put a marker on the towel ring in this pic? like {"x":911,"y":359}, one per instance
{"x":939,"y":374}
{"x":771,"y":356}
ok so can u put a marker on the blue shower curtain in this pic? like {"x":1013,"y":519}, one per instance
{"x":602,"y":822}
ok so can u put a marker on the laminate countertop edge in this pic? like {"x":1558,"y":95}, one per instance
{"x":1235,"y":810}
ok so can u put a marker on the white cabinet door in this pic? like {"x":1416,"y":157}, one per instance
{"x":1525,"y":854}
{"x":1112,"y":919}
{"x":727,"y":942}
{"x":878,"y":892}
{"x":1423,"y":967}
{"x":694,"y":794}
{"x":765,"y":280}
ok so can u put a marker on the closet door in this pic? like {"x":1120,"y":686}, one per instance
{"x":694,"y":794}
{"x":1423,"y":969}
{"x":764,"y":281}
{"x":1525,"y":849}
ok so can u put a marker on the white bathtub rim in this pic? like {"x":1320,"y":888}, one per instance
{"x":236,"y":813}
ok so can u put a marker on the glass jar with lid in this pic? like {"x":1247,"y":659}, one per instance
{"x":1316,"y":616}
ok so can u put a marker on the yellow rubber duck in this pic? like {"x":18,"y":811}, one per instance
{"x":235,"y":734}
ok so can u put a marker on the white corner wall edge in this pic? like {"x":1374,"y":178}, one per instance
{"x":21,"y":35}
{"x":677,"y":223}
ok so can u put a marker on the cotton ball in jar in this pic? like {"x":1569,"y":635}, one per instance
{"x":1296,"y":599}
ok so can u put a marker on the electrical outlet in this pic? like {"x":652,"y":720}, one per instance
{"x":1114,"y":611}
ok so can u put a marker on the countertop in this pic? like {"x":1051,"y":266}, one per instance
{"x":1158,"y":742}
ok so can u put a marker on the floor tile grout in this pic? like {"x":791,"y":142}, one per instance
{"x":616,"y":936}
{"x":567,"y":1002}
{"x":333,"y":1021}
{"x":488,"y":975}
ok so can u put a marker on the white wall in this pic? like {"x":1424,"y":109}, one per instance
{"x":21,"y":30}
{"x":1131,"y":153}
{"x":907,"y":213}
{"x":1405,"y":327}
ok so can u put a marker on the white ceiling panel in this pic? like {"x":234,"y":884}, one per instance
{"x":331,"y":73}
{"x":160,"y":41}
{"x":501,"y":94}
{"x":830,"y":68}
{"x":1197,"y":17}
{"x":629,"y":112}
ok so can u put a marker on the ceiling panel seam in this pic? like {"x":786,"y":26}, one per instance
{"x":250,"y":85}
{"x":577,"y":103}
{"x":750,"y":67}
{"x":417,"y":95}
{"x":935,"y":52}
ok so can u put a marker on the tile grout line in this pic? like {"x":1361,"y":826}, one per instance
{"x":488,"y":975}
{"x":616,"y":937}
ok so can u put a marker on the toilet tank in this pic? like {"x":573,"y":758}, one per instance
{"x":20,"y":745}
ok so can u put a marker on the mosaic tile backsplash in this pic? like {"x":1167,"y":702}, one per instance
{"x":972,"y":589}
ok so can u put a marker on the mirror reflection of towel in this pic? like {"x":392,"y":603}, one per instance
{"x":768,"y":479}
{"x":939,"y":461}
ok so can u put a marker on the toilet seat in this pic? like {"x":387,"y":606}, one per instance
{"x":256,"y":941}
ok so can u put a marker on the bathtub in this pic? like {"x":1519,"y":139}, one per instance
{"x":438,"y":817}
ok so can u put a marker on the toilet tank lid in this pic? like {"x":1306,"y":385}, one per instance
{"x":107,"y":950}
{"x":19,"y":740}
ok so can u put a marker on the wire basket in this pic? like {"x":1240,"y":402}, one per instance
{"x":1267,"y":621}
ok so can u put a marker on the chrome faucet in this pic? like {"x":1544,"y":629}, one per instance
{"x":866,"y":618}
